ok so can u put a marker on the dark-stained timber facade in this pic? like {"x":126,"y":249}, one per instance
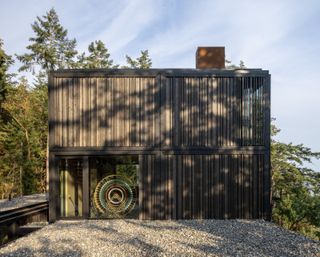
{"x":202,"y":137}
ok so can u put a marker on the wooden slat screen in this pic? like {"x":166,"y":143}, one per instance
{"x":203,"y":138}
{"x":178,"y":112}
{"x":202,"y":186}
{"x":104,"y":112}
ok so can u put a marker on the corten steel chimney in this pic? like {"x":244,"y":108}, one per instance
{"x":210,"y":58}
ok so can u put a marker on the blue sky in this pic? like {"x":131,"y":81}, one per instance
{"x":280,"y":36}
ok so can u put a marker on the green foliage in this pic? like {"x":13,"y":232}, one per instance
{"x":5,"y":62}
{"x":23,"y":140}
{"x":50,"y":48}
{"x":142,"y":62}
{"x":128,"y":169}
{"x":230,"y":65}
{"x":24,"y":111}
{"x":98,"y":57}
{"x":241,"y":64}
{"x":295,"y":188}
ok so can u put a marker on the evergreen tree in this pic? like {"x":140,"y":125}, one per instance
{"x":98,"y":57}
{"x":230,"y":65}
{"x":241,"y":65}
{"x":295,"y":188}
{"x":23,"y":135}
{"x":50,"y":48}
{"x":5,"y":62}
{"x":39,"y":120}
{"x":15,"y":137}
{"x":142,"y":62}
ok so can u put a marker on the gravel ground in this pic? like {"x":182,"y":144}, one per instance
{"x":162,"y":238}
{"x":21,"y":201}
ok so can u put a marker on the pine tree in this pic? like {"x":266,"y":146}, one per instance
{"x":98,"y":57}
{"x":229,"y":65}
{"x":142,"y":62}
{"x":5,"y":62}
{"x":15,"y":136}
{"x":39,"y":120}
{"x":295,"y":188}
{"x":50,"y":48}
{"x":241,"y":65}
{"x":6,"y":186}
{"x":23,"y":138}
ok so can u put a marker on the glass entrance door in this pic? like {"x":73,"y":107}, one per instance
{"x":70,"y":173}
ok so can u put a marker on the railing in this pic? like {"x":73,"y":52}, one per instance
{"x":22,"y":213}
{"x":13,"y":220}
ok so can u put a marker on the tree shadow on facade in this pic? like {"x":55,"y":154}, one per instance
{"x":191,"y":132}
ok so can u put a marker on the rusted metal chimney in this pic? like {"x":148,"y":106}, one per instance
{"x":210,"y":57}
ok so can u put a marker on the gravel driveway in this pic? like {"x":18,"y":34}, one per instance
{"x":162,"y":238}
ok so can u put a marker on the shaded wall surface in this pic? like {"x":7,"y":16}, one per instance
{"x":203,"y":137}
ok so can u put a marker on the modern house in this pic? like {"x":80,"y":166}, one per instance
{"x":160,"y":143}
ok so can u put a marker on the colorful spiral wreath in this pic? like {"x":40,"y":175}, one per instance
{"x":115,"y":196}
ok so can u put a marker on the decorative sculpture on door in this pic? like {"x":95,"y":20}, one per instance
{"x":115,"y":196}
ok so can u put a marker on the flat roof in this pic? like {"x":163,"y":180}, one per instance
{"x":153,"y":72}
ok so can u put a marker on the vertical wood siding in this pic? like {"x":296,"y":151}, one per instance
{"x":168,"y":119}
{"x":93,"y":112}
{"x":202,"y":186}
{"x":124,"y":111}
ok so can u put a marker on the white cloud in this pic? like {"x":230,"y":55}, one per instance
{"x":127,"y":24}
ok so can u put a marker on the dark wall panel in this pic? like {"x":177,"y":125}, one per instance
{"x":93,"y":112}
{"x":148,"y":111}
{"x":202,"y":186}
{"x":203,"y":136}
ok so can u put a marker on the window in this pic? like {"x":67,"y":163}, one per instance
{"x":252,"y":111}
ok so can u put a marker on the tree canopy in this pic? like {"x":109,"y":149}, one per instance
{"x":98,"y":57}
{"x":295,"y":187}
{"x":230,"y":65}
{"x":50,"y":48}
{"x":142,"y":62}
{"x":5,"y":62}
{"x":23,"y":105}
